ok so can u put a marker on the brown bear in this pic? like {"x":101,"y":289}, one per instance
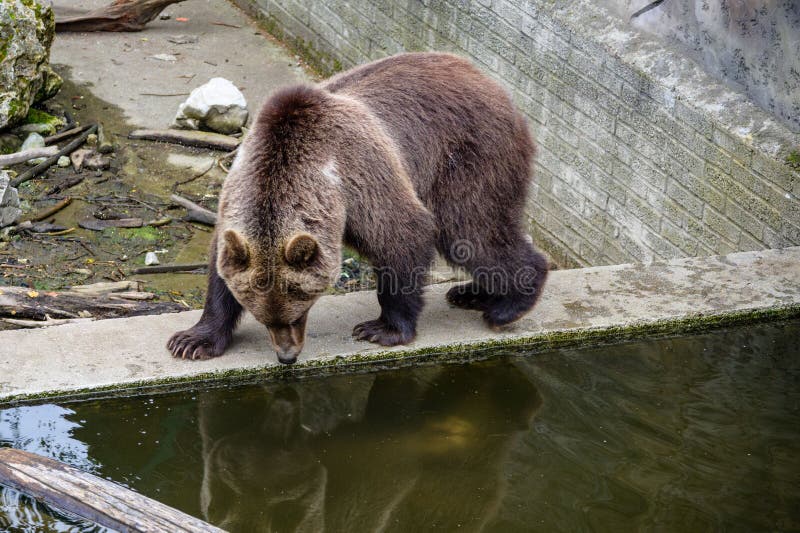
{"x":397,"y":158}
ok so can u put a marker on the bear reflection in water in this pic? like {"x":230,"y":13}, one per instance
{"x":363,"y":453}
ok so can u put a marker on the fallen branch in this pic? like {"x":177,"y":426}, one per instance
{"x":63,"y":186}
{"x":195,"y":213}
{"x":41,"y":167}
{"x":100,"y":225}
{"x":50,"y":211}
{"x":121,"y":15}
{"x":46,"y":323}
{"x":164,"y":269}
{"x":159,"y":222}
{"x":101,"y":300}
{"x":199,"y":139}
{"x":20,"y":157}
{"x":104,"y":144}
{"x":106,"y":287}
{"x":66,"y":134}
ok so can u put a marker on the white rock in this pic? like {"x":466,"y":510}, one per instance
{"x":9,"y":201}
{"x":165,"y":57}
{"x":63,"y":161}
{"x":217,"y":106}
{"x":150,"y":259}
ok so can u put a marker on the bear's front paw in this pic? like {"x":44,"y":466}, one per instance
{"x":380,"y":332}
{"x":196,"y":344}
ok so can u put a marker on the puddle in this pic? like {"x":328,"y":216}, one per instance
{"x":685,"y":434}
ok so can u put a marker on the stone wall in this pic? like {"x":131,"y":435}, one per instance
{"x":754,"y":45}
{"x":642,"y":155}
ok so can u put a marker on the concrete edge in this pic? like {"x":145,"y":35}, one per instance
{"x":451,"y":353}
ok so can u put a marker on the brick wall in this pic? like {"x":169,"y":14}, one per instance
{"x":642,"y":156}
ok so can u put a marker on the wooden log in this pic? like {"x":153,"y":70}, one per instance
{"x":97,"y":302}
{"x":106,"y":287}
{"x":20,"y":157}
{"x":199,"y":139}
{"x":163,"y":269}
{"x":121,"y":15}
{"x":195,"y":213}
{"x":91,"y":497}
{"x":49,"y":162}
{"x":66,"y":134}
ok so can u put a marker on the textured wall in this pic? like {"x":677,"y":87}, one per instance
{"x":752,"y":44}
{"x":641,"y":154}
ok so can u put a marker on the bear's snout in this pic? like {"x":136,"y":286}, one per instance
{"x":288,"y":340}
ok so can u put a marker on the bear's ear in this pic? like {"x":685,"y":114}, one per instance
{"x":301,"y":250}
{"x":234,"y":252}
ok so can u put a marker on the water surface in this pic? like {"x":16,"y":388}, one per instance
{"x":685,"y":434}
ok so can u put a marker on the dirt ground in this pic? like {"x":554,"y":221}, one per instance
{"x":114,"y":79}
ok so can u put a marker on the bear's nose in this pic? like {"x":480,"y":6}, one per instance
{"x":287,"y":356}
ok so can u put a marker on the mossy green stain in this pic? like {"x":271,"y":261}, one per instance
{"x":793,"y":159}
{"x":457,"y":352}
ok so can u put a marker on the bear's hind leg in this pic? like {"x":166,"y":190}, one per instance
{"x":513,"y":284}
{"x":506,"y":279}
{"x":470,"y":296}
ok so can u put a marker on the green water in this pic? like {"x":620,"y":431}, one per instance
{"x":684,"y":434}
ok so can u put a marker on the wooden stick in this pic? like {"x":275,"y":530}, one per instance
{"x":163,"y":269}
{"x":66,"y":134}
{"x":195,"y":212}
{"x":63,"y":186}
{"x":46,"y":323}
{"x":91,"y":497}
{"x":20,"y":157}
{"x":41,"y":167}
{"x":199,"y":139}
{"x":120,"y":15}
{"x":50,"y":211}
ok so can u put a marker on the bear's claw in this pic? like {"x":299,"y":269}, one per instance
{"x":379,"y":332}
{"x":191,"y":344}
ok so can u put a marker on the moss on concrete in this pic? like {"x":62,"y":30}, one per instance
{"x":793,"y":159}
{"x":468,"y":351}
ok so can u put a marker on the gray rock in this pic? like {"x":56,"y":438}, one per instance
{"x":34,"y":140}
{"x":63,"y":161}
{"x":97,"y":162}
{"x":78,"y":157}
{"x":217,"y":106}
{"x":9,"y":201}
{"x":9,"y":143}
{"x":26,"y":32}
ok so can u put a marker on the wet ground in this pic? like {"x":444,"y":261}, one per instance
{"x":116,"y":79}
{"x":684,"y":434}
{"x":138,"y":184}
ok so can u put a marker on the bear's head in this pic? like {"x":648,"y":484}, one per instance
{"x":280,"y":282}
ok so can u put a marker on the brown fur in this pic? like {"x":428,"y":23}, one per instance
{"x":396,"y":158}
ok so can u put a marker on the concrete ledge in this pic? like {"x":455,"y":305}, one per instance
{"x":579,"y":307}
